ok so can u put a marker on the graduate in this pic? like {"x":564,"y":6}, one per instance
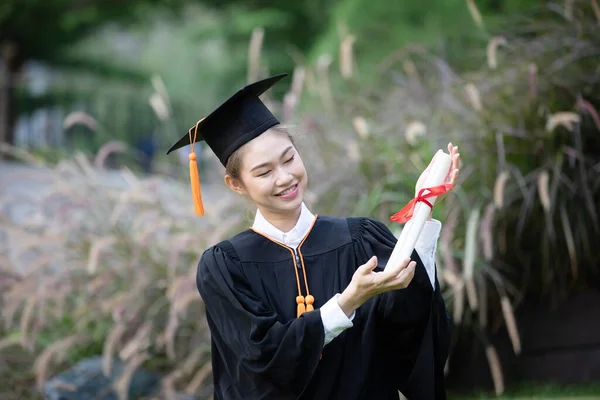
{"x":303,"y":306}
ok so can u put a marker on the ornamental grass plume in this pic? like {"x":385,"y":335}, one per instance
{"x":103,"y":268}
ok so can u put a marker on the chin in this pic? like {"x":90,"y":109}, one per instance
{"x":290,"y":204}
{"x":284,"y":206}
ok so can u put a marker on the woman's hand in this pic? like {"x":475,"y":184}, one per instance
{"x":453,"y":172}
{"x":452,"y":175}
{"x":366,"y":283}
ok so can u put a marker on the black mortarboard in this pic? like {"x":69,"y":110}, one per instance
{"x":231,"y":125}
{"x":235,"y":122}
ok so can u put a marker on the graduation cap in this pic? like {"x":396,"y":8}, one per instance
{"x":234,"y":123}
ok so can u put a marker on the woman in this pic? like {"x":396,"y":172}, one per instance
{"x":301,"y":306}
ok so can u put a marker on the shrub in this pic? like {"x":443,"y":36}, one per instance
{"x":104,"y":262}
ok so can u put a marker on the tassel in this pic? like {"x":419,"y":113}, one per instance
{"x":309,"y":303}
{"x":195,"y":181}
{"x":194,"y":176}
{"x":301,"y":307}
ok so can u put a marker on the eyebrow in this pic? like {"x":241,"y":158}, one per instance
{"x":266,"y":164}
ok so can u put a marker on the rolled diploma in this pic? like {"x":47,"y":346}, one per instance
{"x":409,"y":235}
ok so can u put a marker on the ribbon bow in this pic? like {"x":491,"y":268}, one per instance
{"x":406,"y":212}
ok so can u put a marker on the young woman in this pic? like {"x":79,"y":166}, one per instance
{"x":302,"y":306}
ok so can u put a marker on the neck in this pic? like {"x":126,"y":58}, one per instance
{"x":284,"y":221}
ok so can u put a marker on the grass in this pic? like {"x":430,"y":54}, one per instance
{"x":538,"y":391}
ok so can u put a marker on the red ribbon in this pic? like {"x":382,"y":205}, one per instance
{"x":406,"y":213}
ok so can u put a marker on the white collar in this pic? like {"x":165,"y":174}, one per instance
{"x":294,"y":237}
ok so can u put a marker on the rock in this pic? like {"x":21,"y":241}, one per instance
{"x":86,"y":381}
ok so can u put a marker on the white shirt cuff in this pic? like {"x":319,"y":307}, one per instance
{"x":426,"y":246}
{"x":334,"y":319}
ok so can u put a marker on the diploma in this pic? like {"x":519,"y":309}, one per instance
{"x":418,"y":209}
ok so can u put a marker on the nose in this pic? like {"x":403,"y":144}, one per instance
{"x":284,"y":178}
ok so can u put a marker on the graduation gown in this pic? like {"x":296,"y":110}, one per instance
{"x":260,"y":349}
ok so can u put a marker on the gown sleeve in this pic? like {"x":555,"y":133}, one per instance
{"x":253,"y":343}
{"x":414,"y":321}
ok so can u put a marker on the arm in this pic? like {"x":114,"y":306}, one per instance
{"x":426,"y":246}
{"x":337,"y":314}
{"x":335,"y":320}
{"x":373,"y":238}
{"x":284,"y":353}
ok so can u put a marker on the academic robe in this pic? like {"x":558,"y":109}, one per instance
{"x":262,"y":350}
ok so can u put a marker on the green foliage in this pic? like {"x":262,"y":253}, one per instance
{"x":42,"y":29}
{"x":533,"y":391}
{"x":201,"y":50}
{"x":383,"y":29}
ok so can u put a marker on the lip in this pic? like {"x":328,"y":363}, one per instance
{"x":290,"y":195}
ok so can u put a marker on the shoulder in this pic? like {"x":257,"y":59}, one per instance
{"x":327,"y":223}
{"x":250,"y":247}
{"x":215,"y":257}
{"x":352,"y":228}
{"x":219,"y":266}
{"x":360,"y":226}
{"x":327,"y":234}
{"x":222,"y":254}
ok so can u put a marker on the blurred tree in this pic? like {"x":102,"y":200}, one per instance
{"x":291,"y":28}
{"x":382,"y":29}
{"x":296,"y":23}
{"x":42,"y":30}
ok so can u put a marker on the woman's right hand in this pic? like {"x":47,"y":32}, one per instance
{"x":366,"y":283}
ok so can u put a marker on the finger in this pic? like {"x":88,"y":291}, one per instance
{"x":391,"y":271}
{"x":455,"y":162}
{"x":454,"y":176}
{"x":408,"y":272}
{"x":451,"y":170}
{"x":368,"y":267}
{"x":404,"y":277}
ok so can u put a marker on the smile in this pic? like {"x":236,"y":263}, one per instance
{"x":288,"y":191}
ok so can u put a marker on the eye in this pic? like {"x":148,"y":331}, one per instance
{"x":289,"y":160}
{"x":264,"y":173}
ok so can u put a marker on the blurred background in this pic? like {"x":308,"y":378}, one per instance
{"x":99,"y":242}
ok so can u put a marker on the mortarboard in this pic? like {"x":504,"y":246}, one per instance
{"x":234,"y":123}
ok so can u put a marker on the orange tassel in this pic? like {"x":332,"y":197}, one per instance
{"x":195,"y":181}
{"x":309,"y":303}
{"x":301,"y":307}
{"x":194,"y":176}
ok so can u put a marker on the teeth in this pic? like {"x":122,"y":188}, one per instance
{"x":288,"y":191}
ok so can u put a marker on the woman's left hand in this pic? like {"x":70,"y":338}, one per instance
{"x":451,"y":177}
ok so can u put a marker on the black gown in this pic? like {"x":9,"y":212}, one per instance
{"x":261,"y":350}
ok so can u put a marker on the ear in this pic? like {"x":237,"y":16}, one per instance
{"x":235,"y":185}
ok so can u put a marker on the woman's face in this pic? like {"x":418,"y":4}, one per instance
{"x":272,"y":173}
